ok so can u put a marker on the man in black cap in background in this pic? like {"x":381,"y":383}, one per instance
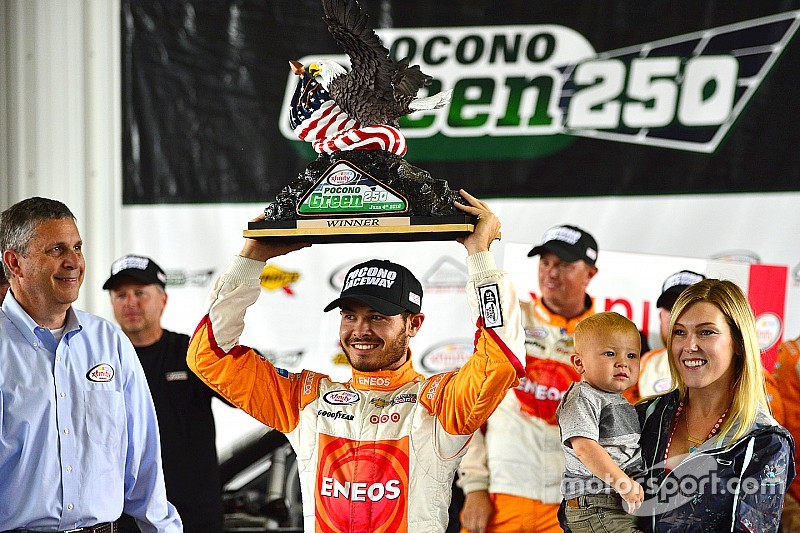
{"x":511,"y":475}
{"x":183,"y":403}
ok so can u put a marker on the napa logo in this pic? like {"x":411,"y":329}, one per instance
{"x":274,"y":278}
{"x":525,"y":91}
{"x":342,"y":177}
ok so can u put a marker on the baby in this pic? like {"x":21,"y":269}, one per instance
{"x":600,"y":429}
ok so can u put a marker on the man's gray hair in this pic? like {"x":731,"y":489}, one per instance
{"x":18,"y":223}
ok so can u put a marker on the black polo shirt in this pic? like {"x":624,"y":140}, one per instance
{"x":188,"y":435}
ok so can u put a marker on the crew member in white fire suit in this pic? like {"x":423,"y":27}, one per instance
{"x":511,"y":474}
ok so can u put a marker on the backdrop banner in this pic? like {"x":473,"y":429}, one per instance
{"x":564,"y":99}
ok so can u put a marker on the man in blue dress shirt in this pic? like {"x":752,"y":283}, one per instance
{"x":78,"y":434}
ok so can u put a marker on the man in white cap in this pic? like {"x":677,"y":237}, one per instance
{"x":183,"y":402}
{"x":511,"y":475}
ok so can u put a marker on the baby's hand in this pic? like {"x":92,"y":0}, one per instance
{"x":632,"y":493}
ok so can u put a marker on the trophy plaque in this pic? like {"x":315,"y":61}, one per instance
{"x":360,"y":188}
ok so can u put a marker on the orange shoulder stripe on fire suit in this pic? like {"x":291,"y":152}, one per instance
{"x":236,"y":375}
{"x":462,"y":401}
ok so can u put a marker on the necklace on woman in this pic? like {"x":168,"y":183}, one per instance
{"x":694,"y":442}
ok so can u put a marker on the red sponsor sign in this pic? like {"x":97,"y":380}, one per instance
{"x":766,"y":293}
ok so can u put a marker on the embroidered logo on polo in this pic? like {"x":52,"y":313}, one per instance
{"x":362,"y":486}
{"x":178,"y":375}
{"x":341,"y":397}
{"x":101,"y":373}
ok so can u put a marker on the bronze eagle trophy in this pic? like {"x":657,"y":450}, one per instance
{"x":360,"y":188}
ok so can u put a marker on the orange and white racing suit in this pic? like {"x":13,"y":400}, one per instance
{"x":519,"y":453}
{"x":379,"y":452}
{"x":787,"y":376}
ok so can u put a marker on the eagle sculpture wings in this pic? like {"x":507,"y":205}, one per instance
{"x":377,"y":90}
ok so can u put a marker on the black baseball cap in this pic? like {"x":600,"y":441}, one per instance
{"x":137,"y":267}
{"x":569,"y":243}
{"x":387,"y":287}
{"x":674,"y":285}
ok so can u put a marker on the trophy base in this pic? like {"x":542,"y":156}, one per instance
{"x":363,"y":229}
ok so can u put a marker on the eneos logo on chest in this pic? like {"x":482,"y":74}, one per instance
{"x":362,"y":486}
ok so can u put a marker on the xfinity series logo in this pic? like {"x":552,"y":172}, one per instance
{"x":341,"y":397}
{"x":101,"y":373}
{"x":343,"y":177}
{"x":344,"y":189}
{"x":447,"y":356}
{"x":512,"y":84}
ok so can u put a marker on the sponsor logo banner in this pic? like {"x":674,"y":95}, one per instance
{"x":519,"y":89}
{"x":446,"y":357}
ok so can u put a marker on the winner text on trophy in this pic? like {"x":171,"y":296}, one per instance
{"x":360,"y":189}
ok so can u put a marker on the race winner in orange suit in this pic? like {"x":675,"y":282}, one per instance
{"x":379,"y":452}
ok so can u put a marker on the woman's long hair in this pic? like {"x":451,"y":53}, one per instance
{"x":748,"y":381}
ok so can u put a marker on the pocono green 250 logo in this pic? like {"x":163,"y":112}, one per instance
{"x":344,"y":188}
{"x":520,"y":92}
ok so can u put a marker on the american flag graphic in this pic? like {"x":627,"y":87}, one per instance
{"x":317,"y":119}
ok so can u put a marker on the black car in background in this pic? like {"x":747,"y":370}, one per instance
{"x":261,"y":486}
